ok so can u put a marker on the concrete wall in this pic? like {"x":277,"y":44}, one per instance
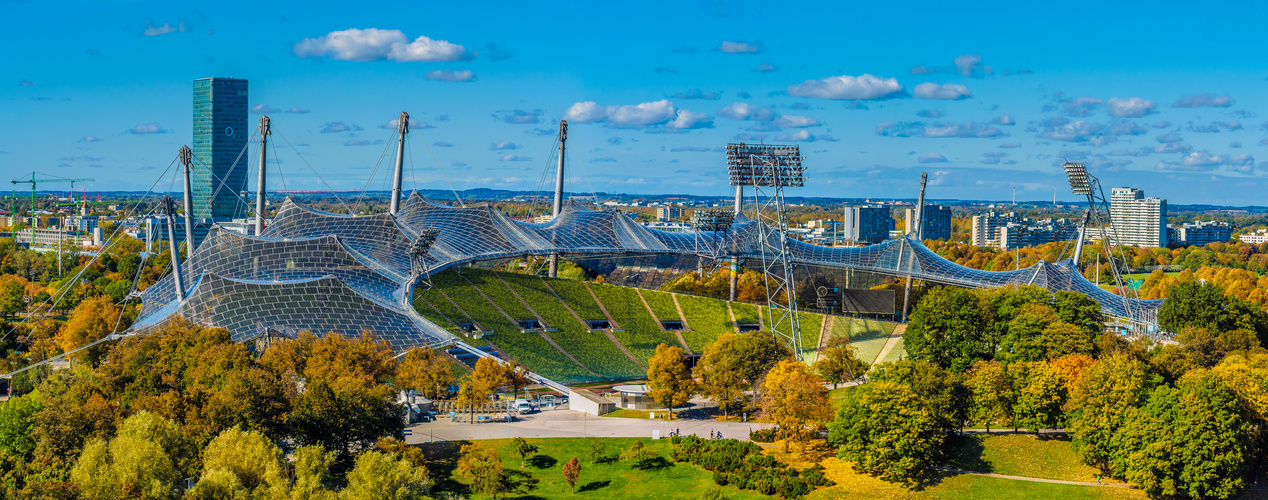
{"x":589,"y":402}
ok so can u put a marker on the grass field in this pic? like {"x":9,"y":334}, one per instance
{"x":662,"y":304}
{"x":708,"y":318}
{"x":895,"y":354}
{"x":642,"y":332}
{"x":811,"y":323}
{"x":745,"y":313}
{"x":543,"y":475}
{"x":593,"y":349}
{"x":576,"y":295}
{"x":424,"y":307}
{"x":495,"y":290}
{"x":1018,"y":455}
{"x":851,"y":484}
{"x":868,"y":335}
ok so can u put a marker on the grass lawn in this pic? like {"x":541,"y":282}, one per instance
{"x":836,"y":397}
{"x":867,"y":335}
{"x":1018,"y":455}
{"x":895,"y":354}
{"x":851,"y":484}
{"x":543,"y":476}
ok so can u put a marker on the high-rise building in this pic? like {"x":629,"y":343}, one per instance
{"x":220,"y":163}
{"x":1200,"y":233}
{"x":668,"y":213}
{"x":986,"y":227}
{"x":1138,"y":221}
{"x":1029,"y":233}
{"x":867,"y":225}
{"x":937,"y":225}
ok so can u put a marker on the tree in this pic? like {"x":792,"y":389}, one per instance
{"x":1061,"y":338}
{"x":1190,"y":303}
{"x":795,"y":400}
{"x":598,"y":451}
{"x":522,"y":448}
{"x":344,"y":416}
{"x":487,"y":376}
{"x":244,"y":464}
{"x":424,"y":371}
{"x":884,"y":428}
{"x":943,"y":392}
{"x":669,"y":381}
{"x":12,"y":295}
{"x":991,"y":394}
{"x":638,"y":453}
{"x":482,"y":467}
{"x":1025,"y":338}
{"x":721,"y":378}
{"x":312,"y":471}
{"x":1099,"y":402}
{"x":517,"y":378}
{"x":572,"y":470}
{"x":379,"y":476}
{"x":17,"y":426}
{"x":141,"y":462}
{"x":945,"y":328}
{"x":1040,"y":397}
{"x":757,"y":353}
{"x":92,"y":320}
{"x":838,"y":363}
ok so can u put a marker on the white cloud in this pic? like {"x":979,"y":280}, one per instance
{"x":414,"y":124}
{"x":1004,"y":119}
{"x":1205,"y":100}
{"x":90,"y":139}
{"x":690,"y":120}
{"x":948,"y":91}
{"x":862,"y":87}
{"x":1201,"y":161}
{"x":746,"y":111}
{"x":449,"y":75}
{"x":765,"y":68}
{"x":932,"y":158}
{"x":298,"y":111}
{"x":442,"y":144}
{"x":147,"y":128}
{"x":794,"y":121}
{"x":1132,"y":107}
{"x":263,"y":108}
{"x":1082,"y":106}
{"x":374,"y":44}
{"x":967,"y":63}
{"x":336,"y":127}
{"x":504,"y":146}
{"x":355,"y":142}
{"x":805,"y":136}
{"x":162,"y":30}
{"x":938,"y":129}
{"x":648,"y":114}
{"x":741,"y":47}
{"x":516,"y":158}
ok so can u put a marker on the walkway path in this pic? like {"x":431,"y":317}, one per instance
{"x":1033,"y":479}
{"x":889,"y":344}
{"x":565,"y":423}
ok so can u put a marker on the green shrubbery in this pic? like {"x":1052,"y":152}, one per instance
{"x":743,"y":465}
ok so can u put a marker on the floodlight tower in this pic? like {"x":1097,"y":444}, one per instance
{"x":418,"y":254}
{"x":769,"y":169}
{"x":711,"y":225}
{"x":1085,"y":184}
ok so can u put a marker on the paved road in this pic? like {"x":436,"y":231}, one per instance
{"x":566,"y":423}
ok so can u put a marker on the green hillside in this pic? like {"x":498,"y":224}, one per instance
{"x":488,"y":298}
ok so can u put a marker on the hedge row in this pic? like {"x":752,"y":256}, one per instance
{"x":743,"y":465}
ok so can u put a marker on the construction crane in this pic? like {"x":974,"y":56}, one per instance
{"x":33,"y":181}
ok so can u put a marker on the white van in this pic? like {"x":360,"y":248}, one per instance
{"x":522,"y":406}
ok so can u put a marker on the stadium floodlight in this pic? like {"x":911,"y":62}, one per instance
{"x":765,"y":165}
{"x":715,"y":220}
{"x":1077,"y":173}
{"x":426,"y":238}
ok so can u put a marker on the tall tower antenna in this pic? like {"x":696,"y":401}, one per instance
{"x":259,"y":186}
{"x":187,"y":156}
{"x":920,"y":236}
{"x":558,"y":205}
{"x":402,"y":128}
{"x":769,"y":169}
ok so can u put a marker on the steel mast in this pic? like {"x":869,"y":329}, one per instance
{"x":402,"y":128}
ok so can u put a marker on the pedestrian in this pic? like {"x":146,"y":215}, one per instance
{"x":719,"y":434}
{"x":710,"y":433}
{"x":1098,"y":479}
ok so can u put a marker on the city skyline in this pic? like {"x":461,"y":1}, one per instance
{"x":874,"y":94}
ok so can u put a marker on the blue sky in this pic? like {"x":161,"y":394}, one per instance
{"x":1168,"y":98}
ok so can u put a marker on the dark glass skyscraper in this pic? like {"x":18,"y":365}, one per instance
{"x":220,"y":140}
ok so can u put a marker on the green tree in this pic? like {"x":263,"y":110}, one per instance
{"x":243,"y":463}
{"x":1099,"y":401}
{"x":1190,"y":303}
{"x":598,"y":451}
{"x":1040,"y":397}
{"x":885,"y":429}
{"x":757,"y":353}
{"x":572,"y":470}
{"x":721,"y":378}
{"x":1025,"y":338}
{"x":483,"y":469}
{"x":17,"y":426}
{"x":669,"y":381}
{"x":991,"y":394}
{"x":91,"y":321}
{"x":638,"y":453}
{"x":945,"y":328}
{"x":312,"y":471}
{"x":378,"y":476}
{"x":838,"y":363}
{"x":943,"y":392}
{"x":143,"y":461}
{"x":1061,"y":338}
{"x":344,"y":417}
{"x":796,"y":401}
{"x":523,"y":449}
